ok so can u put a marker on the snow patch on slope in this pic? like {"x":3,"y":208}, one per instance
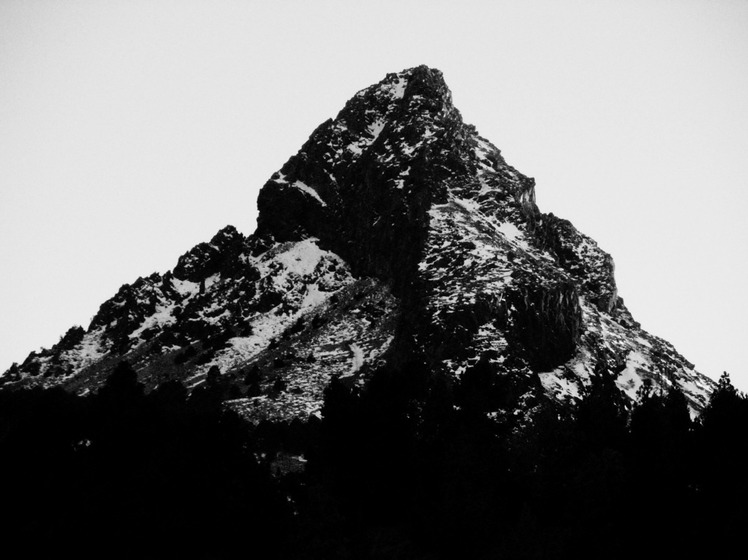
{"x":375,"y":129}
{"x":300,"y":258}
{"x":308,"y":190}
{"x":298,"y":271}
{"x":89,"y":350}
{"x":559,"y":384}
{"x":629,"y":380}
{"x":162,"y":317}
{"x":185,"y":288}
{"x":357,"y":358}
{"x":398,"y":88}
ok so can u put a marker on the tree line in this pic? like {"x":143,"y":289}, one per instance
{"x":415,"y":465}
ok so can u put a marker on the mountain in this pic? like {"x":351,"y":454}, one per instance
{"x":397,"y":235}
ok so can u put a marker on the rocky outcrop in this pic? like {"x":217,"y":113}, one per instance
{"x":547,"y":323}
{"x":223,"y":254}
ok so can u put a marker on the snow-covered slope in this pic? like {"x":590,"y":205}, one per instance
{"x":397,"y":233}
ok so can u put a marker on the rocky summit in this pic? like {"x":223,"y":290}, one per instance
{"x":396,"y":235}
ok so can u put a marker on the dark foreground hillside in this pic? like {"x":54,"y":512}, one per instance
{"x":414,"y":466}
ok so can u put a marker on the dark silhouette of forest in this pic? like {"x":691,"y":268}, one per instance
{"x":414,"y":466}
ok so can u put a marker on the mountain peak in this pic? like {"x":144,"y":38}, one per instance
{"x":419,"y":81}
{"x":396,"y":147}
{"x":396,"y":235}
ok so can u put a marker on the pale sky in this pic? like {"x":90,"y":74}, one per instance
{"x":131,"y":131}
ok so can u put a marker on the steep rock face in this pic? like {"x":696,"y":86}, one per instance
{"x":362,"y":183}
{"x":396,"y":233}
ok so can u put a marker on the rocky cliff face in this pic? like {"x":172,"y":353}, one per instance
{"x":397,"y":233}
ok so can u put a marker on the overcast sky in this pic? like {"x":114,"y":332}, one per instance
{"x":131,"y":131}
